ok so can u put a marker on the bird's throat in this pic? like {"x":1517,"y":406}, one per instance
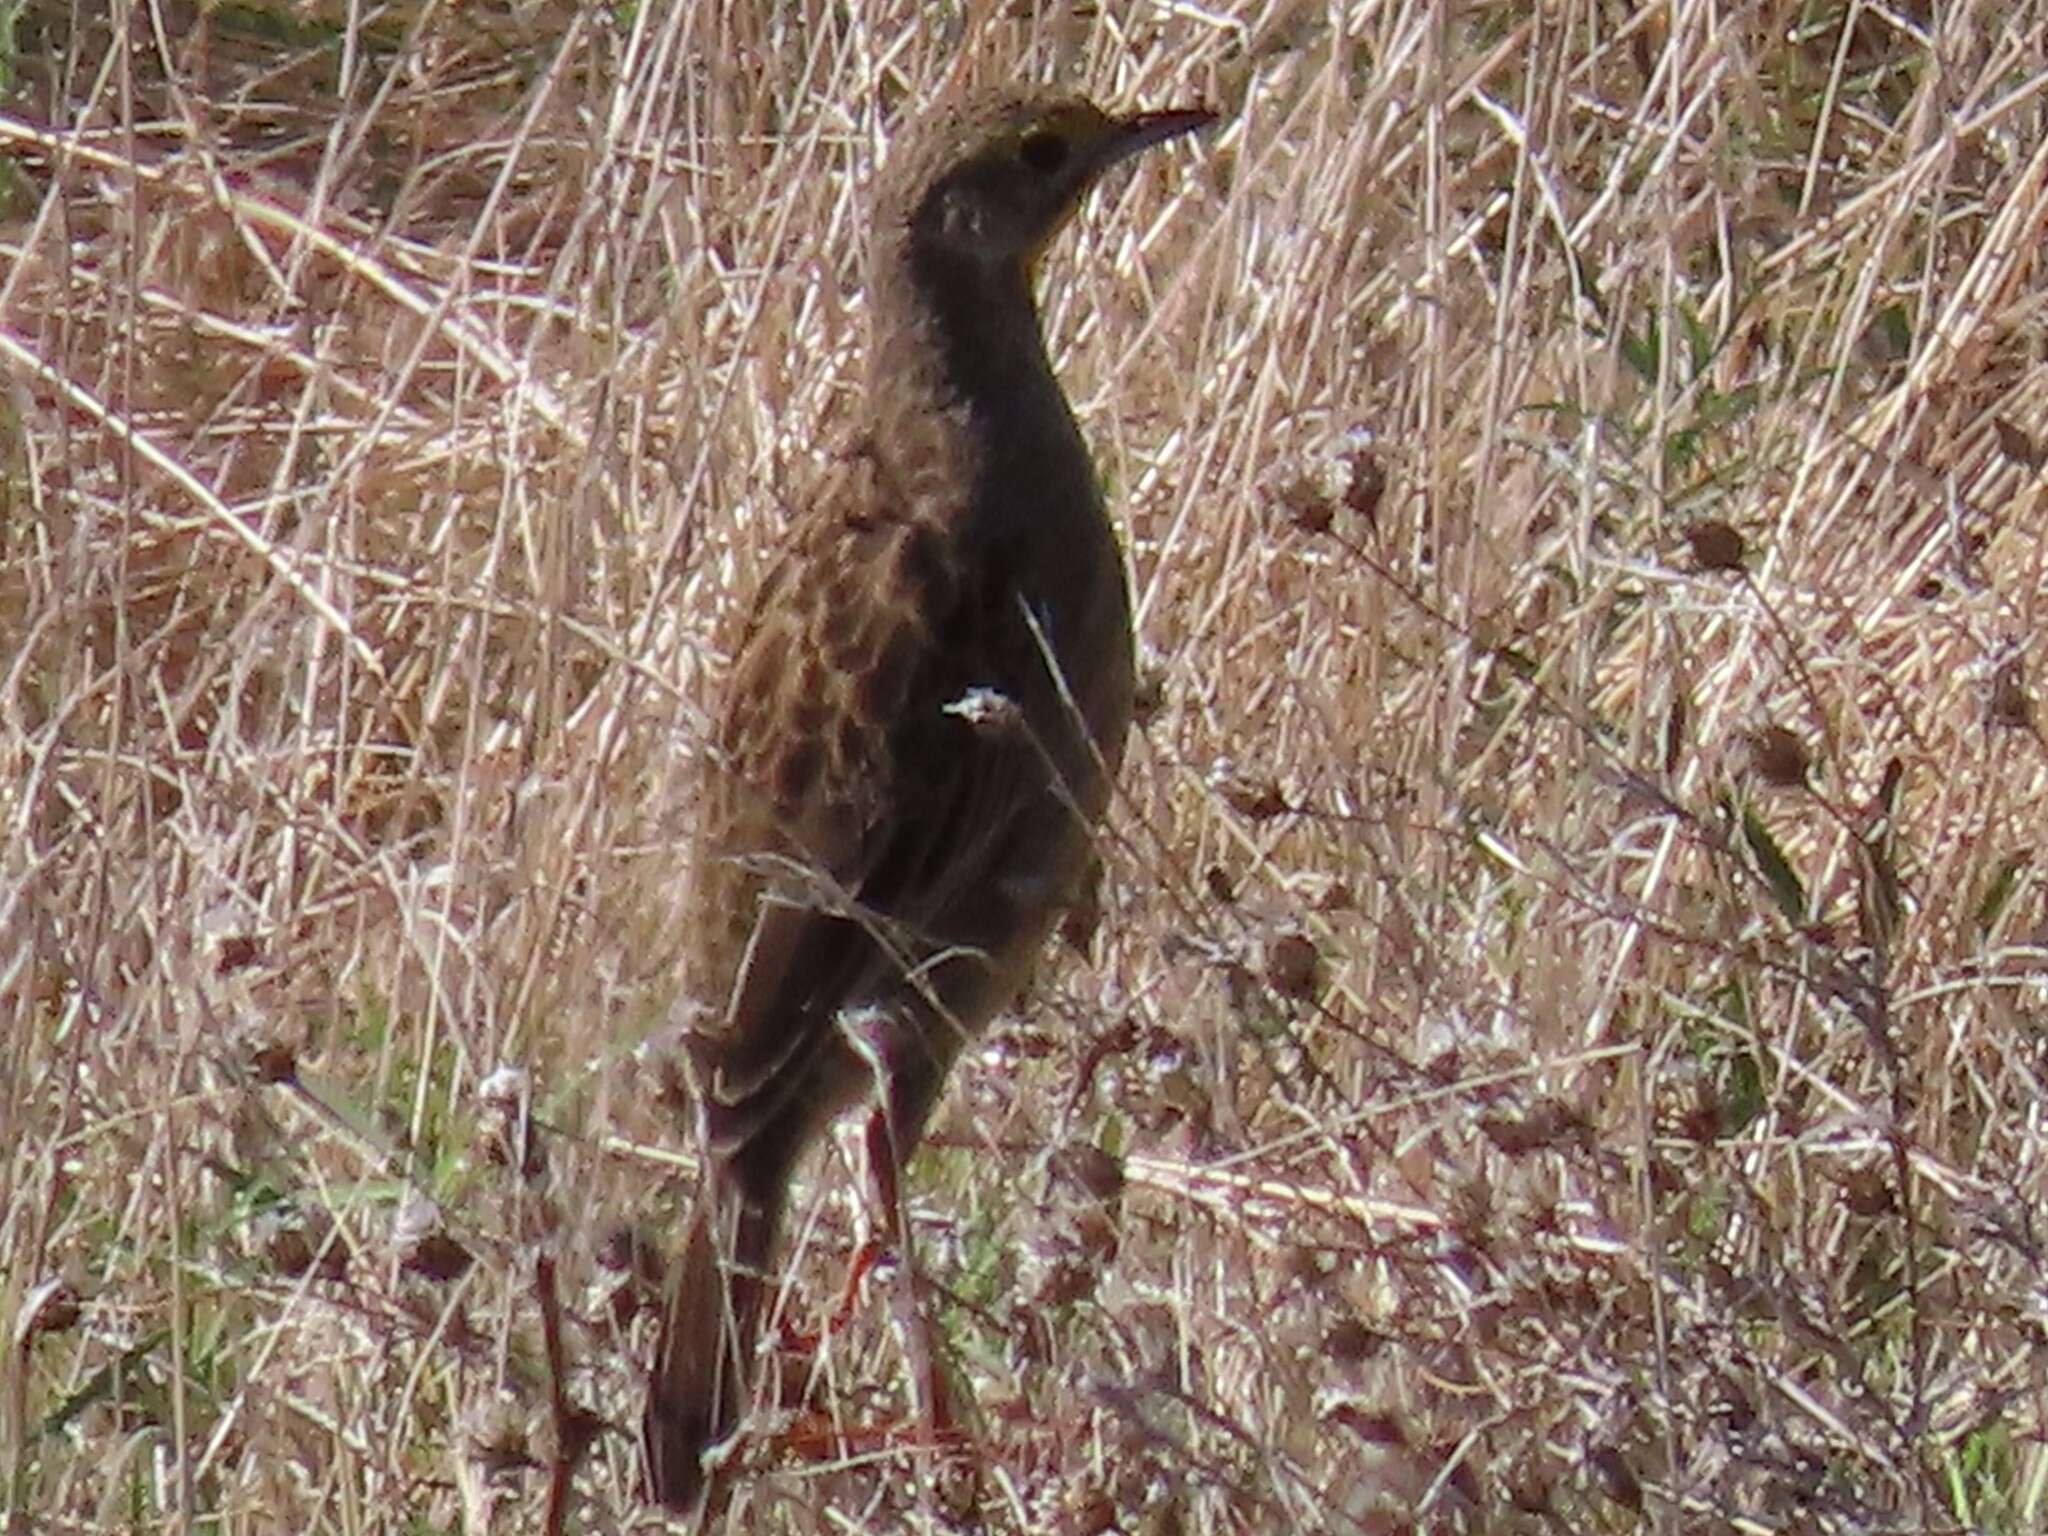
{"x":981,"y":324}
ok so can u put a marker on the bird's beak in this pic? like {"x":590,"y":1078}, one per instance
{"x":1126,"y":136}
{"x":1118,"y":140}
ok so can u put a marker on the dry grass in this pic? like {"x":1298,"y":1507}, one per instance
{"x":1567,"y":1025}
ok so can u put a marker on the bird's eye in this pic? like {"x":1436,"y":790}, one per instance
{"x":1043,"y":151}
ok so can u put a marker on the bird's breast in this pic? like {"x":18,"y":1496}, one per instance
{"x":1060,"y":592}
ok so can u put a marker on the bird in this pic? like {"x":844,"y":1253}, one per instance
{"x":922,"y":721}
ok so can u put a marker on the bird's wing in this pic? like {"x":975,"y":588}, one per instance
{"x":861,"y":820}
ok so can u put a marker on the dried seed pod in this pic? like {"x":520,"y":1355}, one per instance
{"x":1778,"y":757}
{"x":1062,"y":1282}
{"x":1616,"y":1478}
{"x":1254,"y":798}
{"x":2017,"y":444}
{"x":1327,"y":893}
{"x":1716,"y":545}
{"x":439,"y":1257}
{"x":1368,"y":484}
{"x":1292,"y":965}
{"x":236,"y":951}
{"x":51,"y":1307}
{"x":1338,"y":486}
{"x":1349,"y":1341}
{"x":301,"y":1243}
{"x":498,"y":1439}
{"x":1304,"y":505}
{"x":1305,"y":1266}
{"x":1675,"y":723}
{"x":424,"y":1246}
{"x":272,"y":1062}
{"x":2010,"y":705}
{"x":1374,"y":1428}
{"x":288,"y":1251}
{"x":1867,"y":1192}
{"x":505,"y":1133}
{"x":1089,"y":1512}
{"x":621,"y":1250}
{"x":1097,"y":1173}
{"x":1095,"y":1238}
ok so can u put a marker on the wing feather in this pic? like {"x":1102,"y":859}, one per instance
{"x":860,"y":825}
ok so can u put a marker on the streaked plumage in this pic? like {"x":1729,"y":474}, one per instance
{"x":878,"y":871}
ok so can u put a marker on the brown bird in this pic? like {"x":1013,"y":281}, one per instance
{"x":927,"y":707}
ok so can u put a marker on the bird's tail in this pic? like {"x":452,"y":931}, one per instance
{"x":703,"y":1364}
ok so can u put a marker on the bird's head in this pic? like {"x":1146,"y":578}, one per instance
{"x":992,"y":182}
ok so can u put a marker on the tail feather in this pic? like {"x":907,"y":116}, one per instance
{"x":703,"y":1364}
